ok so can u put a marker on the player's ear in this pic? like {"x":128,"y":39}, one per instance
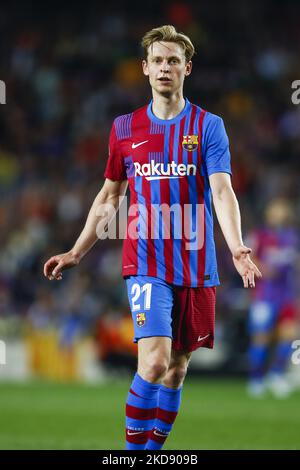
{"x":145,"y":67}
{"x":188,"y":68}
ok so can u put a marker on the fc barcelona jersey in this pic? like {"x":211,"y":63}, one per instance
{"x":167,"y":164}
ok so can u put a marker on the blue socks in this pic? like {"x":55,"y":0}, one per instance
{"x":167,"y":410}
{"x":151,"y":410}
{"x":141,"y":408}
{"x":257,"y":356}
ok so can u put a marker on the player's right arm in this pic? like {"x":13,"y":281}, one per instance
{"x":108,"y":199}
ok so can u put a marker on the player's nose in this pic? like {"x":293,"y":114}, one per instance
{"x":165,"y":66}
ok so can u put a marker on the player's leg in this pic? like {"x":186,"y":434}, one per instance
{"x":257,"y":353}
{"x":286,"y":332}
{"x":169,"y":399}
{"x":193,"y":316}
{"x":151,"y":303}
{"x":261,"y":323}
{"x":177,"y":370}
{"x":141,"y":407}
{"x":154,"y":355}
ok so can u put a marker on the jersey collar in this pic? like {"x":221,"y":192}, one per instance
{"x":174,"y":120}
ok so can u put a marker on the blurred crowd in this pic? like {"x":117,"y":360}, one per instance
{"x":69,"y":71}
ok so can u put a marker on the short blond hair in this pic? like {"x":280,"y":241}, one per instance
{"x":169,"y":34}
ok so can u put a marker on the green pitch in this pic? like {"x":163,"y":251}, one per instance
{"x":214,"y":415}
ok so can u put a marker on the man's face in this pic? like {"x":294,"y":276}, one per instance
{"x":166,"y":67}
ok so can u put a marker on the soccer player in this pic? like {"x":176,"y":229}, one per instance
{"x":172,"y":154}
{"x":273,"y":311}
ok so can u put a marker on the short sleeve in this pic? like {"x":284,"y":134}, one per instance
{"x":115,"y":168}
{"x":216,"y":145}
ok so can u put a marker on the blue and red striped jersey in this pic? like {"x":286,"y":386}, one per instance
{"x":167,"y":164}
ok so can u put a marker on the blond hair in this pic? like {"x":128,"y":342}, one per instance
{"x":169,"y":34}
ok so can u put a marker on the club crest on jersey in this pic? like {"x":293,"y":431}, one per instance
{"x":140,"y":319}
{"x":190,"y":142}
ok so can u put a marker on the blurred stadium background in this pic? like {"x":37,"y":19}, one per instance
{"x":69,"y":71}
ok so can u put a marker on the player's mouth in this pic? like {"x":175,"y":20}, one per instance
{"x":164,"y":80}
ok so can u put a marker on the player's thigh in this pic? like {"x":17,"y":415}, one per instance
{"x":151,"y":302}
{"x":154,"y":352}
{"x":180,"y":359}
{"x":286,"y":329}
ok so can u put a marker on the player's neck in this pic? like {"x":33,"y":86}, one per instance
{"x":167,"y":107}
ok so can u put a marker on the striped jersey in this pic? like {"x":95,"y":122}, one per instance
{"x":167,"y":164}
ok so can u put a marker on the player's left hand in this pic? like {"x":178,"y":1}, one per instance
{"x":245,"y":266}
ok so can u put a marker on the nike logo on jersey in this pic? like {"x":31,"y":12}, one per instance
{"x":134,"y":146}
{"x":162,"y":171}
{"x":130,"y":433}
{"x":201,"y":338}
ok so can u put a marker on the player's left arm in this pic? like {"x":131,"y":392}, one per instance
{"x":229,"y":217}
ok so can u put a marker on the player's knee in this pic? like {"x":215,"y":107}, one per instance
{"x":175,"y":376}
{"x":153,"y":369}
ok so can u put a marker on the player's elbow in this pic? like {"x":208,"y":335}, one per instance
{"x":113,"y":191}
{"x":222,"y":192}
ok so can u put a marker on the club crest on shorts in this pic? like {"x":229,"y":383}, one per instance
{"x":190,"y":142}
{"x":140,"y":319}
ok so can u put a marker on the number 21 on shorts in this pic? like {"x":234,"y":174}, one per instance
{"x":136,"y":291}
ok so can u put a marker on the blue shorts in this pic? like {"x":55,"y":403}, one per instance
{"x":184,"y":314}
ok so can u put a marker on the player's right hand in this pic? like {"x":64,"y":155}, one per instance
{"x":56,"y":264}
{"x":245,"y":266}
